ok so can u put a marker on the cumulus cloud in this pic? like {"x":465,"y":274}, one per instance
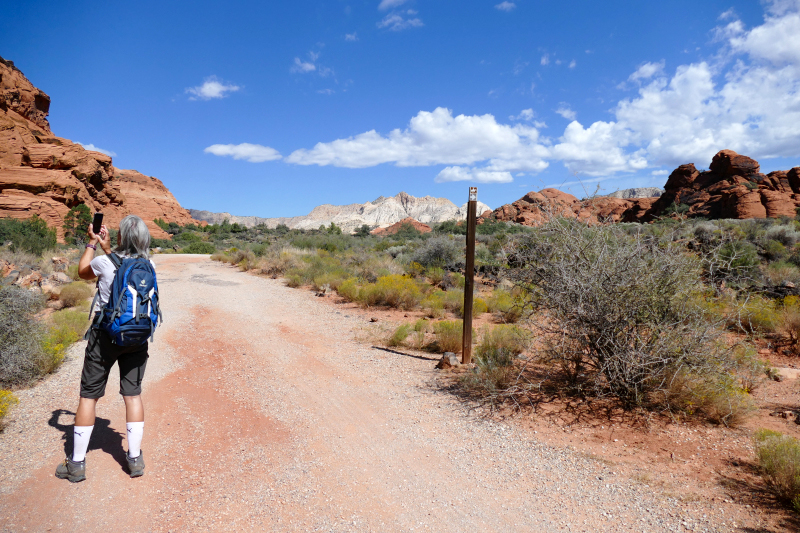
{"x":432,"y":138}
{"x":545,"y":60}
{"x":94,"y":148}
{"x":212,"y":87}
{"x":302,"y":67}
{"x":565,"y":111}
{"x":572,"y":64}
{"x":389,"y":4}
{"x":525,"y":114}
{"x":506,"y":6}
{"x":350,"y":36}
{"x":396,"y":22}
{"x":253,"y":153}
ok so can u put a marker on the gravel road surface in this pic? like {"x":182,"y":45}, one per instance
{"x":265,"y":413}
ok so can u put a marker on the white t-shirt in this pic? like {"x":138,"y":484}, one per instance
{"x":104,"y":269}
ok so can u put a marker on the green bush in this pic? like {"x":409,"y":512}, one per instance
{"x":440,"y":251}
{"x":399,"y":336}
{"x":774,"y":250}
{"x":779,"y":460}
{"x":199,"y":248}
{"x":393,"y":291}
{"x":433,"y":304}
{"x":31,"y":235}
{"x":67,"y":327}
{"x":72,"y":294}
{"x":508,"y":308}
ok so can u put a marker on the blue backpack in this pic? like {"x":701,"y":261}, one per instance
{"x":132,"y":312}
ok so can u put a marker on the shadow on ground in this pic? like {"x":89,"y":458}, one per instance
{"x":104,"y":437}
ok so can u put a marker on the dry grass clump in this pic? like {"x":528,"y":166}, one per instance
{"x":779,"y":460}
{"x":449,"y":335}
{"x":21,"y":356}
{"x":496,"y":371}
{"x":74,"y":293}
{"x":399,"y":335}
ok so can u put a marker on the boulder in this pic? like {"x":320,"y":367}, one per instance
{"x":60,"y":278}
{"x":448,"y":360}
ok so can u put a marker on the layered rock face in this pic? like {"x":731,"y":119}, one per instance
{"x":733,"y":187}
{"x":46,"y":175}
{"x":637,"y":192}
{"x":382,"y":212}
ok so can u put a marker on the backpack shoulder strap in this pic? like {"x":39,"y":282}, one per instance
{"x":115,"y":260}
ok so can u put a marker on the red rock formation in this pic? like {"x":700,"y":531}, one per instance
{"x":733,"y":187}
{"x":394,"y":228}
{"x":46,"y":175}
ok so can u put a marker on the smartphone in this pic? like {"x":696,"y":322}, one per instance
{"x":97,"y":222}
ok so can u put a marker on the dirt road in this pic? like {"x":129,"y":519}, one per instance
{"x":265,"y":413}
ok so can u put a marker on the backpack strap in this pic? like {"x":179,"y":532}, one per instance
{"x":115,"y":260}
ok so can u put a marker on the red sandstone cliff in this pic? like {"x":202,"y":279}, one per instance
{"x":47,"y":175}
{"x":733,"y":187}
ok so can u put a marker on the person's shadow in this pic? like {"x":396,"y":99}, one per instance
{"x":103,"y":437}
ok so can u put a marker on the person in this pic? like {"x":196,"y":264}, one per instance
{"x":101,"y":354}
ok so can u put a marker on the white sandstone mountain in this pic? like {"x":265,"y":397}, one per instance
{"x":637,"y":192}
{"x":381,"y":212}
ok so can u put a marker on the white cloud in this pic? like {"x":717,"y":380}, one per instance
{"x":647,"y":71}
{"x":433,"y":138}
{"x":94,"y":148}
{"x":572,"y":64}
{"x":449,"y":174}
{"x":389,"y":4}
{"x":326,"y":91}
{"x":254,"y":153}
{"x":525,"y":114}
{"x":396,"y":22}
{"x":660,"y":173}
{"x":350,"y":36}
{"x":302,"y":67}
{"x":212,"y":87}
{"x":506,"y":6}
{"x":565,"y":111}
{"x":545,"y":60}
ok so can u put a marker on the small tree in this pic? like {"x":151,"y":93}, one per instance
{"x":76,"y":224}
{"x":363,"y":231}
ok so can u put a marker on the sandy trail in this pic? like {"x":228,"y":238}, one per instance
{"x":264,"y":414}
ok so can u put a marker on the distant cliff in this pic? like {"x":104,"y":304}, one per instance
{"x":382,"y":212}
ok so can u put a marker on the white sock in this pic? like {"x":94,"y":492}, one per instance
{"x":80,"y":442}
{"x":135,"y":432}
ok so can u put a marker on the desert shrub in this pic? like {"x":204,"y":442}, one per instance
{"x":21,"y":356}
{"x":67,"y":327}
{"x":774,"y":250}
{"x":439,"y":251}
{"x":277,"y":261}
{"x":294,"y":280}
{"x":348,"y":289}
{"x":507,"y":307}
{"x":187,"y":236}
{"x":31,"y":235}
{"x":786,"y":235}
{"x":393,"y":290}
{"x":615,"y":308}
{"x":199,"y":248}
{"x":733,"y":261}
{"x":448,"y":335}
{"x":72,"y":272}
{"x":782,"y":272}
{"x":433,"y":304}
{"x":74,"y":293}
{"x":705,"y":232}
{"x":790,"y":319}
{"x":719,"y":397}
{"x":779,"y":461}
{"x":456,"y":279}
{"x":495,"y":371}
{"x":414,"y":269}
{"x":399,"y":336}
{"x":260,"y":249}
{"x":7,"y":401}
{"x":756,"y":314}
{"x":435,"y":275}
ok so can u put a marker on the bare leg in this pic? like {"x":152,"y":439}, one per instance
{"x":84,"y":416}
{"x":134,"y":409}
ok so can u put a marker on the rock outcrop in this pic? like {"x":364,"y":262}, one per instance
{"x":382,"y":212}
{"x":394,"y":228}
{"x":733,"y":187}
{"x":46,"y":175}
{"x":637,"y":192}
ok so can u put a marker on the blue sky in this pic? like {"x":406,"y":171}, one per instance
{"x":272,"y":108}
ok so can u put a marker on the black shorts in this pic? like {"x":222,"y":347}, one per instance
{"x":101,"y":354}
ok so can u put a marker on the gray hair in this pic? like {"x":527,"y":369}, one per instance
{"x":134,"y":237}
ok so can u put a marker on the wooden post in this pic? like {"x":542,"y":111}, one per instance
{"x":469,"y":277}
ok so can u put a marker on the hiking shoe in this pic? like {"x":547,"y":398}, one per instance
{"x":71,"y":470}
{"x":136,"y":466}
